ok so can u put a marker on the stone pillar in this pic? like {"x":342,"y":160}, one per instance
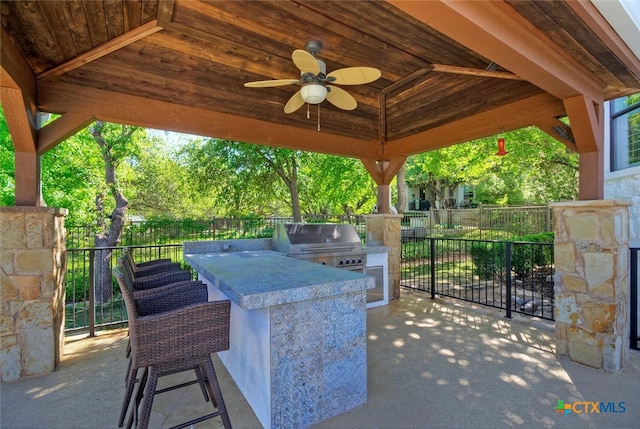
{"x":384,"y":230}
{"x":592,"y":282}
{"x":32,"y":258}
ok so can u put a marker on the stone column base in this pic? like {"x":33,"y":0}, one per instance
{"x":32,"y":257}
{"x":592,"y":282}
{"x":384,"y":229}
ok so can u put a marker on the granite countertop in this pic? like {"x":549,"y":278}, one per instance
{"x":263,"y":278}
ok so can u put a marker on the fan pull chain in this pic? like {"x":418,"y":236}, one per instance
{"x":308,"y":116}
{"x":318,"y":117}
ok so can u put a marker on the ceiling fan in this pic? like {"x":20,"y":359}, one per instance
{"x":316,"y":83}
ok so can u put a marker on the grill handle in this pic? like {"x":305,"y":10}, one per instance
{"x":327,"y":249}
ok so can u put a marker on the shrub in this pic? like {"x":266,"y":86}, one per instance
{"x":489,"y":257}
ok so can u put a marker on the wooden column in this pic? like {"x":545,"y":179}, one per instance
{"x":586,"y":117}
{"x":28,"y":179}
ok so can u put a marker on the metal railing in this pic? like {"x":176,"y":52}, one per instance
{"x":514,"y":276}
{"x":82,"y":311}
{"x":483,"y":222}
{"x":150,"y":232}
{"x":634,"y":283}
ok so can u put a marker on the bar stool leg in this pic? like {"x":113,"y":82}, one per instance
{"x":147,"y":399}
{"x":130,"y":384}
{"x":216,"y":392}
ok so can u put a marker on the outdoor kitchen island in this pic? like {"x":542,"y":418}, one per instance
{"x":298,"y":348}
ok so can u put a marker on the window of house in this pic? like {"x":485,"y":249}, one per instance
{"x":625,"y":132}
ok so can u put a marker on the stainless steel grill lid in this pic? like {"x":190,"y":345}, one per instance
{"x":309,"y":238}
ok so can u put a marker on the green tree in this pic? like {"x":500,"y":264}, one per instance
{"x":7,"y":164}
{"x":70,"y":173}
{"x":335,"y":185}
{"x":116,"y":143}
{"x":159,"y":186}
{"x":537,"y":169}
{"x":247,"y":178}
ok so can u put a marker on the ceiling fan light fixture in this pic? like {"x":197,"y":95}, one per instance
{"x":313,"y":93}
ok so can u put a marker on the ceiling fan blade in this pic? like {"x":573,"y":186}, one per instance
{"x":340,"y":98}
{"x":294,"y":103}
{"x":354,"y":75}
{"x":270,"y":83}
{"x":306,"y":62}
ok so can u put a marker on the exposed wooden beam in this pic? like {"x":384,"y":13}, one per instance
{"x":59,"y":130}
{"x":132,"y":110}
{"x":599,"y":25}
{"x":102,"y":50}
{"x":496,"y":31}
{"x":406,"y":80}
{"x":165,"y":12}
{"x":20,"y":120}
{"x":17,"y":95}
{"x":443,"y":68}
{"x":586,"y":123}
{"x":383,"y":171}
{"x":15,"y":71}
{"x":491,"y":122}
{"x":549,"y":124}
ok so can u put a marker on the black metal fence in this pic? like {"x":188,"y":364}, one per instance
{"x":172,"y":231}
{"x":514,"y":276}
{"x":82,"y":312}
{"x":634,"y":296}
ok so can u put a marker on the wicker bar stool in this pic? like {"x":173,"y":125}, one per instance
{"x":157,"y":300}
{"x":149,"y":267}
{"x":167,"y":277}
{"x":173,"y":341}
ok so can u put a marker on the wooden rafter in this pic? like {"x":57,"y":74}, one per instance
{"x":480,"y":125}
{"x":102,"y":50}
{"x":443,"y":68}
{"x":519,"y":47}
{"x":120,"y":108}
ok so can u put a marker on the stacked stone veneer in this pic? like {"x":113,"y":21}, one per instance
{"x":627,"y":187}
{"x":592,"y":282}
{"x":32,"y":262}
{"x":384,"y":230}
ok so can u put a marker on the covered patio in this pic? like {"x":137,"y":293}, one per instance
{"x":450,"y":72}
{"x":432,"y":363}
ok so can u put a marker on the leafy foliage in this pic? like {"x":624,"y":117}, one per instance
{"x":206,"y":178}
{"x":489,"y":257}
{"x":537,"y":169}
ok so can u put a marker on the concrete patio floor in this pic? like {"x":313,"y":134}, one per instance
{"x":432,"y":364}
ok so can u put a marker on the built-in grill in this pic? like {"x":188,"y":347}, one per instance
{"x":336,"y":245}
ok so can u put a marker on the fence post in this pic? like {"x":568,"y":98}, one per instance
{"x":508,"y":274}
{"x":92,"y":293}
{"x":432,"y":262}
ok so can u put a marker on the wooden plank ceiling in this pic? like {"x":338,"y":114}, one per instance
{"x":181,"y":66}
